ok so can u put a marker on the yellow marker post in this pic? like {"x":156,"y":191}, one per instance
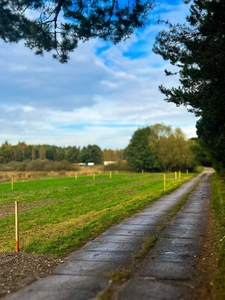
{"x":187,"y":171}
{"x":110,"y":174}
{"x":16,"y":227}
{"x":175,"y":175}
{"x":75,"y":175}
{"x":12,"y":184}
{"x":142,"y":171}
{"x":164,"y":181}
{"x":179,"y":175}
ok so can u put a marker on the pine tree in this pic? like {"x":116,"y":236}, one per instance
{"x":59,"y":25}
{"x":197,"y":50}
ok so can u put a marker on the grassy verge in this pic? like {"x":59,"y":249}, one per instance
{"x":218,"y":202}
{"x":59,"y":215}
{"x":146,"y":247}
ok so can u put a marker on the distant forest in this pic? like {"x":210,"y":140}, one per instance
{"x":23,"y":152}
{"x":175,"y":153}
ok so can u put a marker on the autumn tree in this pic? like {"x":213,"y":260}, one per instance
{"x":113,"y":155}
{"x":21,"y":151}
{"x":59,"y":25}
{"x":159,"y":147}
{"x":170,"y":147}
{"x":197,"y":50}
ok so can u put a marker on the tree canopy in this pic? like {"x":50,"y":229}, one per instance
{"x":159,"y":147}
{"x":138,"y":153}
{"x":59,"y":25}
{"x":170,"y":147}
{"x":197,"y":49}
{"x":202,"y":157}
{"x":91,"y":153}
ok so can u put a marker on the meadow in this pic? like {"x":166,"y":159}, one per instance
{"x":59,"y":215}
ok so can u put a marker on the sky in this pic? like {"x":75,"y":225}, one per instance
{"x":101,"y":96}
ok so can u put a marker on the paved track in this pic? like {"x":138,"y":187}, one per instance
{"x":165,"y":272}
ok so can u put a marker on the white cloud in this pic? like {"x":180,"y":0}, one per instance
{"x":100,"y":97}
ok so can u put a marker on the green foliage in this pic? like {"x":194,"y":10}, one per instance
{"x":22,"y":156}
{"x":91,"y":153}
{"x":59,"y":25}
{"x":120,"y":276}
{"x":160,"y":148}
{"x":6,"y":152}
{"x":197,"y":50}
{"x":171,"y":148}
{"x":37,"y":165}
{"x":138,"y":153}
{"x":119,"y":166}
{"x":73,"y":154}
{"x":218,"y":198}
{"x":202,"y":157}
{"x":113,"y":155}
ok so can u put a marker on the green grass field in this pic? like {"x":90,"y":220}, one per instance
{"x":59,"y":215}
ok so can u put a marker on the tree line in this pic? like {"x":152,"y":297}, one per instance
{"x":160,"y":148}
{"x":91,"y":153}
{"x":153,"y":148}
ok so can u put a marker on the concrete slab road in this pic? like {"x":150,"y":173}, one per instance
{"x":164,"y":273}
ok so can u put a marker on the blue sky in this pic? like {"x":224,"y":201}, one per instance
{"x":100,"y":97}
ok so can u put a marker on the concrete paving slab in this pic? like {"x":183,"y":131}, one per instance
{"x":194,"y":208}
{"x":156,"y":213}
{"x":169,"y":270}
{"x":184,"y":226}
{"x":131,"y":232}
{"x":84,"y":267}
{"x":177,"y":231}
{"x":62,"y":288}
{"x":142,"y":289}
{"x":175,"y":256}
{"x":192,"y":254}
{"x":179,"y":243}
{"x":118,"y":239}
{"x":143,"y":221}
{"x":194,"y":220}
{"x":108,"y":256}
{"x":123,"y":246}
{"x":139,"y":227}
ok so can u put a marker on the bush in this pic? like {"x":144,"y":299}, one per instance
{"x":119,"y":166}
{"x":38,"y":165}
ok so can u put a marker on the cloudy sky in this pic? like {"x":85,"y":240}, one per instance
{"x":100,"y":97}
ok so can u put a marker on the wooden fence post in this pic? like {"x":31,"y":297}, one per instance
{"x":16,"y":226}
{"x":164,"y":181}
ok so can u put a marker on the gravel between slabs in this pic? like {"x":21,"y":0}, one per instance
{"x":20,"y":269}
